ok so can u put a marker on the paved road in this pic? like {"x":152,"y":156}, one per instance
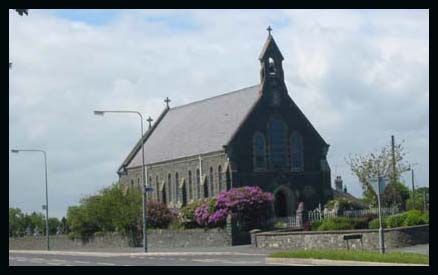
{"x":138,"y":259}
{"x":219,"y":256}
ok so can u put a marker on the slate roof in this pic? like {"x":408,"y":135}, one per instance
{"x":196,"y":128}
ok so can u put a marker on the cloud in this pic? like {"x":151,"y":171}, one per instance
{"x":359,"y":76}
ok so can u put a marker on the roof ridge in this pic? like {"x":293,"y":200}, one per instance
{"x":213,"y":97}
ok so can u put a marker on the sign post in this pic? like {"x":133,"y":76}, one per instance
{"x":379,"y":185}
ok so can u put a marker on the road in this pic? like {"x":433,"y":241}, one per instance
{"x":220,"y":256}
{"x":137,"y":259}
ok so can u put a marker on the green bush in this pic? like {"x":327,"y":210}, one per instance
{"x":413,"y":217}
{"x":338,"y":223}
{"x":425,"y":217}
{"x":280,"y":225}
{"x":396,"y":220}
{"x":375,"y":224}
{"x":314,"y":225}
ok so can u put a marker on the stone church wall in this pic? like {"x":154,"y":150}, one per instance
{"x":182,"y":167}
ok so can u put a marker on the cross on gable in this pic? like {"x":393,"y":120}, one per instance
{"x":150,"y":121}
{"x":269,"y":29}
{"x":167,"y":100}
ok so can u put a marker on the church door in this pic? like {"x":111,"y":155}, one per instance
{"x":280,"y":204}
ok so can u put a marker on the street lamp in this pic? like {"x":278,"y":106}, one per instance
{"x":101,"y":113}
{"x":16,"y":151}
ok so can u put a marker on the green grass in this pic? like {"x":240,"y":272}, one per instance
{"x":353,"y":255}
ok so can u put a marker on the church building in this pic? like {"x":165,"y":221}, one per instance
{"x":255,"y":136}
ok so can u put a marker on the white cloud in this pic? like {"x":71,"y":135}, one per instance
{"x":359,"y":76}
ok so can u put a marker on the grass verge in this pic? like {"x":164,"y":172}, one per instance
{"x":352,"y":255}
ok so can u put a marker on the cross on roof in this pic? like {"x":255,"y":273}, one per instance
{"x":167,"y":100}
{"x":150,"y":121}
{"x":269,"y":29}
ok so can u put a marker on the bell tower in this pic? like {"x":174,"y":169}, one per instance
{"x":271,"y":61}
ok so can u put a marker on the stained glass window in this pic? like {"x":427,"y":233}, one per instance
{"x":277,"y":143}
{"x":259,"y":151}
{"x":296,"y":154}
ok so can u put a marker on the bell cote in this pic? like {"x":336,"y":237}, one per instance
{"x":271,"y":61}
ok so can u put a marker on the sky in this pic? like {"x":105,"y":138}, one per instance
{"x":359,"y":76}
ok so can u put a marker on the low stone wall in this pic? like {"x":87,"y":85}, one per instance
{"x":394,"y":238}
{"x":156,"y":239}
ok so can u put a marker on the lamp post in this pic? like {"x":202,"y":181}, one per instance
{"x":101,"y":113}
{"x":47,"y":192}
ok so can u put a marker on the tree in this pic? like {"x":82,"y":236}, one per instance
{"x":419,"y":199}
{"x":110,"y":210}
{"x":53,"y":225}
{"x":376,"y":164}
{"x":395,"y":194}
{"x":16,"y":226}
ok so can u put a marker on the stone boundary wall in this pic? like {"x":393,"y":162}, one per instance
{"x":394,"y":238}
{"x":156,"y":239}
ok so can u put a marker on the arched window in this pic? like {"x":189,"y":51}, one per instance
{"x":277,"y":143}
{"x":198,"y":184}
{"x":259,"y":151}
{"x":211,"y":182}
{"x":190,"y":186}
{"x":219,"y":178}
{"x":271,"y":66}
{"x":169,"y":186}
{"x":296,"y":152}
{"x":157,"y":188}
{"x":148,"y":194}
{"x":177,"y":187}
{"x":205,"y":188}
{"x":164,"y":195}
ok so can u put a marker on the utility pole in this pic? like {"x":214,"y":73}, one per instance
{"x":413,"y":188}
{"x":394,"y":174}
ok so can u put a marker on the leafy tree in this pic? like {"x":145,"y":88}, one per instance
{"x":16,"y":222}
{"x":80,"y":222}
{"x":395,"y":194}
{"x":53,"y":225}
{"x":37,"y":220}
{"x":376,"y":164}
{"x":419,"y":199}
{"x":110,"y":210}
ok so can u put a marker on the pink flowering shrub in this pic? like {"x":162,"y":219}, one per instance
{"x":159,"y":216}
{"x":248,"y":204}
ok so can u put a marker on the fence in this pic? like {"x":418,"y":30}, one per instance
{"x":375,"y":211}
{"x":317,"y":214}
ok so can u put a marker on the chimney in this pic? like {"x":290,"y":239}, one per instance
{"x":338,"y":183}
